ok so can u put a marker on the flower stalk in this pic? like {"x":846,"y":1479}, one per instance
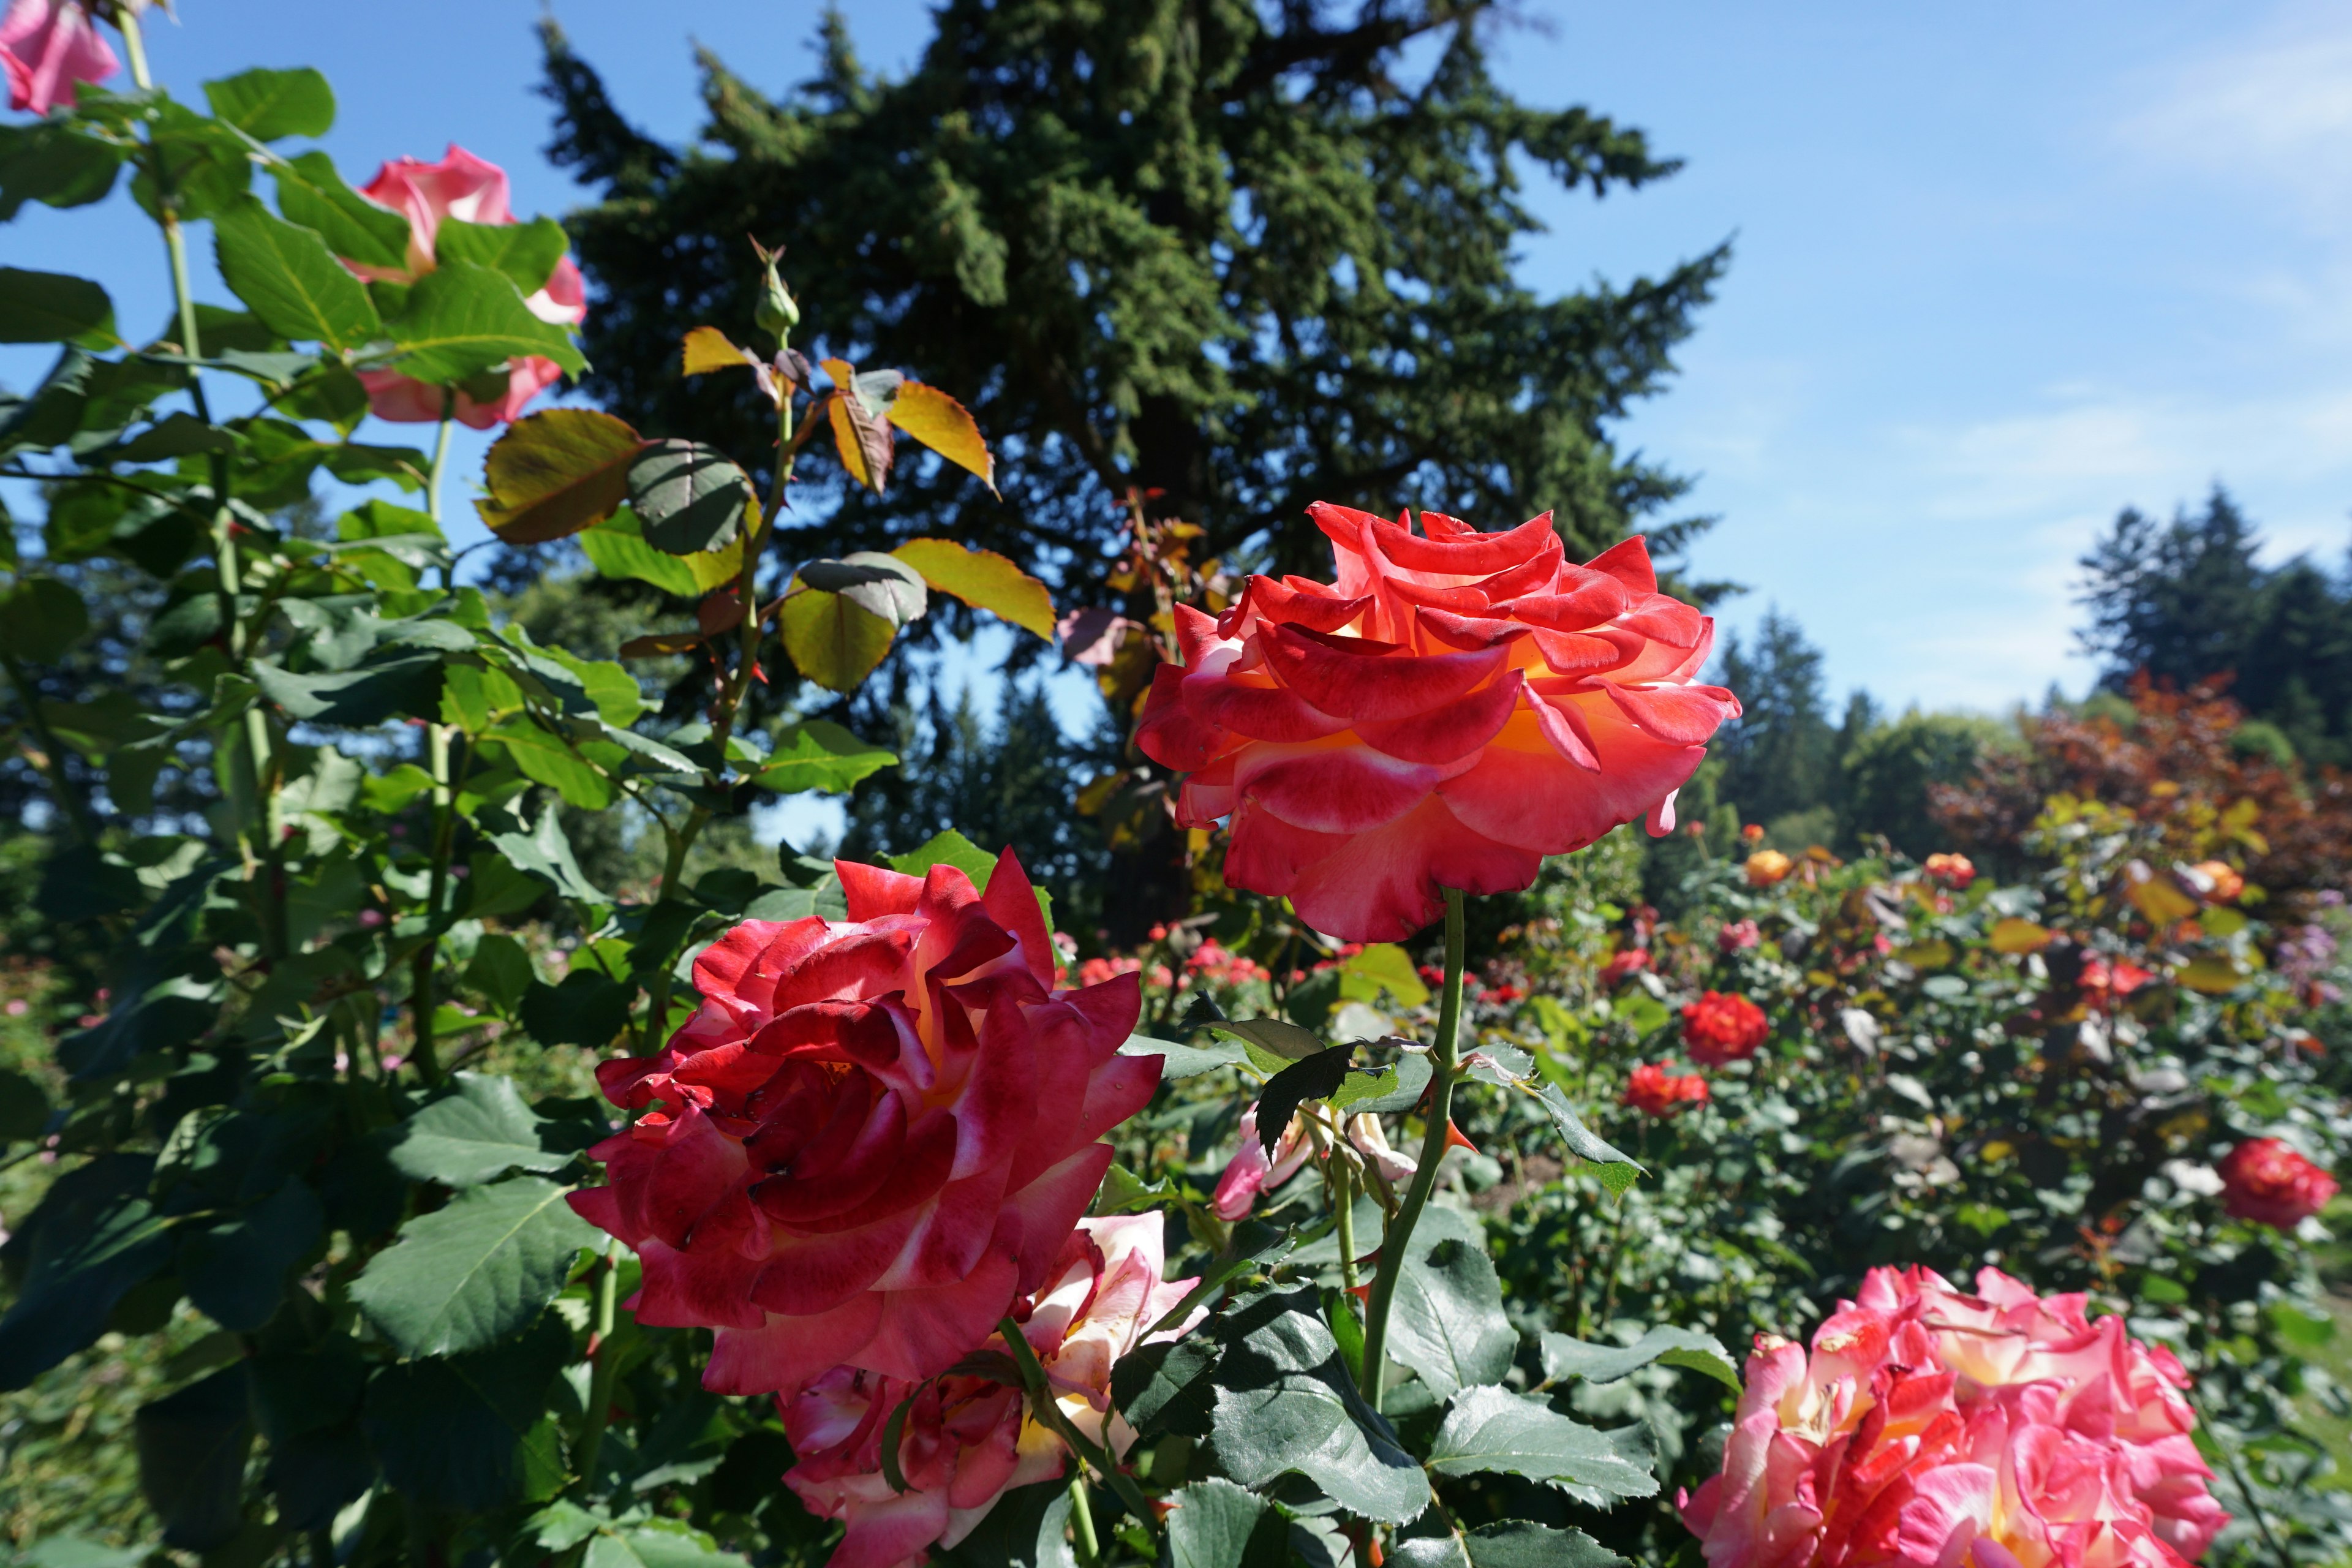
{"x":1397,"y":1238}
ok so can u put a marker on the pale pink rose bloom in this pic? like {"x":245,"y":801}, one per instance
{"x":967,"y":1439}
{"x":1251,"y":1172}
{"x":471,"y":190}
{"x":47,"y":46}
{"x":1934,"y":1429}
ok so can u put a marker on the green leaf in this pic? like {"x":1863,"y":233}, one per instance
{"x":1447,"y":1323}
{"x":500,"y":971}
{"x":23,"y":1106}
{"x":40,"y":618}
{"x":657,"y":1543}
{"x":616,"y":548}
{"x":1284,"y":1403}
{"x":1217,"y":1525}
{"x":1493,"y":1429}
{"x":93,"y":1239}
{"x":450,"y":1431}
{"x":1397,"y":1086}
{"x":192,"y":1449}
{"x":819,"y":754}
{"x":1271,"y":1043}
{"x":461,"y":319}
{"x":1167,"y":1386}
{"x":882,"y":585}
{"x":1315,"y":1077}
{"x":52,"y":308}
{"x":1618,"y":1170}
{"x":556,"y":472}
{"x":476,"y":1132}
{"x":236,"y":1272}
{"x":1390,"y":967}
{"x":948,"y":848}
{"x":588,"y":1009}
{"x":210,"y":165}
{"x":310,"y":193}
{"x":1124,"y":1192}
{"x":52,"y":162}
{"x":475,"y":1271}
{"x":290,"y":279}
{"x":525,"y":252}
{"x":1564,"y":1358}
{"x":1027,"y":1528}
{"x":357,"y":699}
{"x":546,"y":853}
{"x":550,"y":759}
{"x":1506,"y":1543}
{"x":1185,"y":1061}
{"x":269,"y":104}
{"x":688,"y":498}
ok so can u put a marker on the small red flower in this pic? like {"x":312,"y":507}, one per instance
{"x":2265,"y":1180}
{"x":1737,"y":936}
{"x":1625,"y":961}
{"x":1954,"y":871}
{"x":1656,"y":1092}
{"x":1722,"y":1027}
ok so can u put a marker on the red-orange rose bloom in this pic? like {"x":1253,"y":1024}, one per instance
{"x":877,"y":1133}
{"x":1453,"y":709}
{"x":2265,"y":1180}
{"x":1720,"y":1028}
{"x":1654,"y":1091}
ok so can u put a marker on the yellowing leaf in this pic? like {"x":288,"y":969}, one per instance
{"x":984,"y":580}
{"x":834,"y":641}
{"x":2213,"y":976}
{"x":556,"y":472}
{"x":2161,"y":901}
{"x":707,"y":349}
{"x":2015,"y":935}
{"x":945,"y":426}
{"x":862,"y":441}
{"x":1925,"y":954}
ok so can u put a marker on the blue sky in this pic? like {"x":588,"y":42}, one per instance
{"x":2000,"y":269}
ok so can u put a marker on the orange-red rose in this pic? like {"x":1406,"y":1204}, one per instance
{"x":1656,"y":1092}
{"x":1720,"y":1028}
{"x":1954,"y":871}
{"x":1454,"y":707}
{"x":2265,"y":1180}
{"x":1767,"y":867}
{"x":876,"y":1134}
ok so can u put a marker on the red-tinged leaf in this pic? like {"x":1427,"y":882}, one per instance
{"x":984,"y":580}
{"x":556,"y":472}
{"x":707,"y":348}
{"x":862,"y":441}
{"x":718,"y":613}
{"x":658,"y":643}
{"x":945,"y":426}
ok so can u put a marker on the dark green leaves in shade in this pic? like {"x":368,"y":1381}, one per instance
{"x":1217,"y":1525}
{"x":1284,"y":1401}
{"x":52,"y":308}
{"x":463,"y":318}
{"x":192,"y":1448}
{"x":288,"y":276}
{"x":1447,"y":1324}
{"x":453,"y":1431}
{"x":268,"y":104}
{"x":475,"y":1271}
{"x":1028,"y":1527}
{"x":55,"y":163}
{"x":476,"y":1132}
{"x":1564,"y":1358}
{"x":94,"y":1237}
{"x":1493,"y":1429}
{"x":1508,"y":1544}
{"x":587,"y":1010}
{"x":40,"y":618}
{"x":688,"y":498}
{"x":234,"y":1270}
{"x":1315,"y":1077}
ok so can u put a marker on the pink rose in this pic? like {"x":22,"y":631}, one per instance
{"x":2265,"y":1180}
{"x":464,"y":187}
{"x":875,"y":1133}
{"x":1252,"y":1170}
{"x":1934,"y":1429}
{"x":1451,"y":708}
{"x":968,"y":1440}
{"x":1738,"y":936}
{"x":46,"y":47}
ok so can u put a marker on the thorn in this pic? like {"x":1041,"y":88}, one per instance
{"x":1453,"y":1139}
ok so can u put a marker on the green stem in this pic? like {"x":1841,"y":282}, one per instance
{"x":1398,"y":1238}
{"x":53,"y":756}
{"x":1049,"y":1415}
{"x":1082,"y":1523}
{"x":604,"y":1366}
{"x":425,"y":1053}
{"x":1343,"y":1204}
{"x":433,"y":482}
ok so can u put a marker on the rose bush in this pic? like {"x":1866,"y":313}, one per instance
{"x":877,"y":1131}
{"x":1451,"y":708}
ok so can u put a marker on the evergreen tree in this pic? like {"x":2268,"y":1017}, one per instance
{"x":1780,"y":758}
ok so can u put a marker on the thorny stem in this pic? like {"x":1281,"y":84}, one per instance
{"x":1049,"y":1415}
{"x":604,"y":1366}
{"x":1398,"y":1236}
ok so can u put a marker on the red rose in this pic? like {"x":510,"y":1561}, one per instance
{"x":2265,"y":1180}
{"x":876,"y":1134}
{"x":1454,"y":707}
{"x":1656,"y":1092}
{"x":1625,"y":961}
{"x":1954,"y":871}
{"x":1720,"y":1028}
{"x":470,"y":190}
